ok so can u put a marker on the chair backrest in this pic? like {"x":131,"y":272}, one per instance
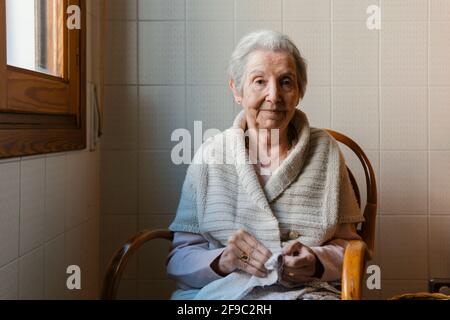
{"x":367,"y":231}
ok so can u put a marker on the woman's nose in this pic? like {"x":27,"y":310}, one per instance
{"x":273,"y":93}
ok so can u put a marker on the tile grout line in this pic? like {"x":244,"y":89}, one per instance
{"x":138,"y":156}
{"x":44,"y":236}
{"x":185,"y":64}
{"x":331,"y":90}
{"x":428,"y":141}
{"x":18,"y":249}
{"x":379,"y":137}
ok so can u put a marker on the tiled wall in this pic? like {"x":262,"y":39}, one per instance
{"x":387,"y":89}
{"x":50,"y":214}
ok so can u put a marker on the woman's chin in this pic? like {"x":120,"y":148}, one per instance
{"x":272,"y":124}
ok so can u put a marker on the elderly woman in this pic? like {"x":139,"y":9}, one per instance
{"x":276,"y":228}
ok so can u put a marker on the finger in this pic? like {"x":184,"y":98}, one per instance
{"x":295,"y":278}
{"x":251,"y":241}
{"x":296,"y":262}
{"x":298,"y":272}
{"x":292,"y":248}
{"x":258,"y":265}
{"x":251,"y":269}
{"x":253,"y":253}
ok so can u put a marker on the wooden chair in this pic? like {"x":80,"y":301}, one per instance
{"x":356,"y":255}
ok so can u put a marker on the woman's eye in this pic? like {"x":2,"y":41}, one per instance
{"x":286,"y":82}
{"x":259,"y":81}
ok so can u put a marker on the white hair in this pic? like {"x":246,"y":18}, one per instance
{"x":265,"y":40}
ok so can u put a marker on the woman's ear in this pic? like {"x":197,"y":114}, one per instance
{"x":237,"y":97}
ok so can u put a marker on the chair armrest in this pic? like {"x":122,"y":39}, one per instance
{"x":353,"y":270}
{"x":121,"y":257}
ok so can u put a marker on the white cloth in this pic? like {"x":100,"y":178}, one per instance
{"x":189,"y":262}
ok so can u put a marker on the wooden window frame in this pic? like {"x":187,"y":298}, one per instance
{"x":40,"y":113}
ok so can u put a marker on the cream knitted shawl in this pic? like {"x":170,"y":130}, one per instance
{"x":309,"y":194}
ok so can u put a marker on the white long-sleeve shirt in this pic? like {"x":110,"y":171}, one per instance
{"x":189,"y":262}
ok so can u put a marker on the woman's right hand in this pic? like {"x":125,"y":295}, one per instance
{"x":244,"y":252}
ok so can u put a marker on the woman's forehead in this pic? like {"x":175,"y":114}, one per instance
{"x":261,"y":61}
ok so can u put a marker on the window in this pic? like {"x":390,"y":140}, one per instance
{"x":42,"y":78}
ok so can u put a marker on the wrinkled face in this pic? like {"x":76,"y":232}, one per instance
{"x":270,"y":92}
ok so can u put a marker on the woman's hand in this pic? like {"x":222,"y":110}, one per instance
{"x":300,"y":263}
{"x":243,"y":252}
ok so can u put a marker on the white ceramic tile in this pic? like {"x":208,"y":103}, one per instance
{"x":121,"y":53}
{"x":90,"y":257}
{"x":55,"y":269}
{"x":162,"y":52}
{"x":127,"y":290}
{"x":93,"y":188}
{"x":155,"y":290}
{"x":90,"y":27}
{"x":120,"y":129}
{"x":55,"y":195}
{"x":258,"y":9}
{"x":439,"y":182}
{"x":355,"y":55}
{"x":119,"y":180}
{"x":31,"y":275}
{"x":115,"y":231}
{"x":9,"y":211}
{"x":76,"y":196}
{"x":404,"y":54}
{"x":440,"y":247}
{"x":439,"y":10}
{"x":401,"y":191}
{"x":355,"y":112}
{"x":404,"y":118}
{"x":72,"y":256}
{"x":352,"y":10}
{"x":120,"y":9}
{"x":95,"y":40}
{"x":316,"y":104}
{"x":210,"y":9}
{"x":160,"y":183}
{"x":96,"y":7}
{"x":209,"y":47}
{"x":152,"y":256}
{"x":439,"y":115}
{"x":161,"y":9}
{"x":439,"y":54}
{"x":94,"y":212}
{"x":404,"y":247}
{"x":9,"y":285}
{"x":355,"y":166}
{"x":32,"y":204}
{"x":392,"y":288}
{"x":245,"y":27}
{"x":212,"y":105}
{"x":404,"y":10}
{"x":161,"y":111}
{"x":317,"y":10}
{"x":313,"y":39}
{"x":89,"y":7}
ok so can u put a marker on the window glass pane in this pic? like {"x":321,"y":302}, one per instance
{"x":35,"y":35}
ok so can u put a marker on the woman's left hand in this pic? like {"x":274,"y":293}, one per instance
{"x":299,"y":263}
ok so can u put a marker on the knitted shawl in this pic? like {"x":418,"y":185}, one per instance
{"x":308,"y":195}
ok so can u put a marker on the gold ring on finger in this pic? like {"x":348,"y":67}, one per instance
{"x":244,"y":257}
